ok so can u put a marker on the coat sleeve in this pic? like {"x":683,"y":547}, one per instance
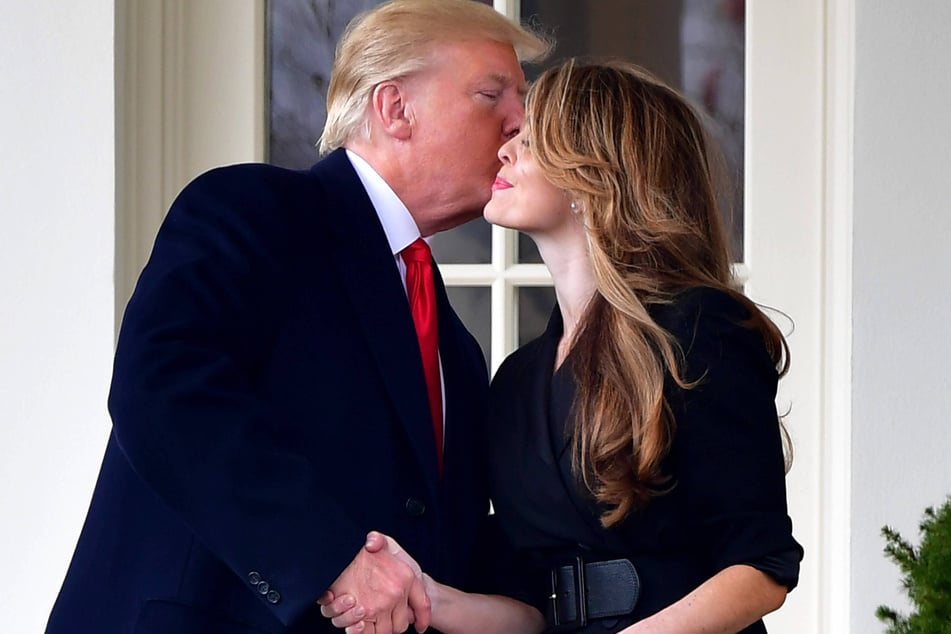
{"x":728,"y":451}
{"x":186,"y":412}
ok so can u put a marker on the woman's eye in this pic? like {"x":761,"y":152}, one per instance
{"x":488,"y":94}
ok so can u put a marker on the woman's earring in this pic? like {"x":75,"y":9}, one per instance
{"x":573,"y":205}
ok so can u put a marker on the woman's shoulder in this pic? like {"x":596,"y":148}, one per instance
{"x":717,"y":330}
{"x":700,"y":308}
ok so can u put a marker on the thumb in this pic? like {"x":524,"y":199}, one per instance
{"x":375,"y":542}
{"x":421,"y":605}
{"x":397,"y":551}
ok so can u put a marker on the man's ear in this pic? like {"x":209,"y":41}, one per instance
{"x":390,"y":110}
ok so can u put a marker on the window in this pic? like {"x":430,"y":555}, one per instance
{"x":495,"y":277}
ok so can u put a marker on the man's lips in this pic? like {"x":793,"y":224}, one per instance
{"x":500,"y":183}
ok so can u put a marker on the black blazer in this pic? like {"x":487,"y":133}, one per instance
{"x":727,"y":504}
{"x":269,"y":408}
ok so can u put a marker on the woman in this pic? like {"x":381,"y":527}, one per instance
{"x":636,"y":456}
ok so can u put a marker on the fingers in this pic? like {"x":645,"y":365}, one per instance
{"x":384,"y":624}
{"x":359,"y":628}
{"x":325,"y":599}
{"x":421,"y":605}
{"x":402,"y":618}
{"x":345,"y":604}
{"x":349,"y":618}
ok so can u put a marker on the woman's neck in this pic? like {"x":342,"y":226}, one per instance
{"x":573,"y":277}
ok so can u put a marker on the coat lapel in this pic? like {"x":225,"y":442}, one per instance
{"x":372,"y":282}
{"x":587,"y":509}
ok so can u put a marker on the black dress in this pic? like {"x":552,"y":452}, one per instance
{"x":727,"y":504}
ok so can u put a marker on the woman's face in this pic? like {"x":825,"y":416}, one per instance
{"x":522,"y":198}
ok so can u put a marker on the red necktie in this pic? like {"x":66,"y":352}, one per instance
{"x":422,"y":302}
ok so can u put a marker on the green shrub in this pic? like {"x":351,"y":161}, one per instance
{"x":926,"y":575}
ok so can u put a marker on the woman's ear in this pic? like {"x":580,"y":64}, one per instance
{"x":390,"y":110}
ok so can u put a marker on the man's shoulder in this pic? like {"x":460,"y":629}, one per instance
{"x":248,"y":176}
{"x":331,"y":172}
{"x":250,"y":190}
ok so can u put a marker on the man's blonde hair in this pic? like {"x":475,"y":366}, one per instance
{"x":396,"y":39}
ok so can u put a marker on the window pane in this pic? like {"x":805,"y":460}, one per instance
{"x":469,"y":244}
{"x":474,"y":306}
{"x":697,"y":46}
{"x":534,"y":308}
{"x":301,"y":41}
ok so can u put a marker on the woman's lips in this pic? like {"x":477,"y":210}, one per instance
{"x":500,"y":183}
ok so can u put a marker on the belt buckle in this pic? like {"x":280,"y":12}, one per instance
{"x":580,"y":596}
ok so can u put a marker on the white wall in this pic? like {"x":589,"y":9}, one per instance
{"x":56,"y":288}
{"x":901,"y":285}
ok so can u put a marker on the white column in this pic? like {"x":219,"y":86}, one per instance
{"x":57,"y":189}
{"x":191,"y":83}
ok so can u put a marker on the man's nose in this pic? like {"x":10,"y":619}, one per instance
{"x":513,"y":123}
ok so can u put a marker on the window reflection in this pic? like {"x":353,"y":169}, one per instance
{"x":474,"y":306}
{"x":535,"y":304}
{"x":527,"y":251}
{"x":697,"y":46}
{"x":470,"y":243}
{"x":302,"y":37}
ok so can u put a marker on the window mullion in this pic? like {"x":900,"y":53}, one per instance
{"x":510,"y":8}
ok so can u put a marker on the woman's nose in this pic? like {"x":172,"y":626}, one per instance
{"x":505,"y":152}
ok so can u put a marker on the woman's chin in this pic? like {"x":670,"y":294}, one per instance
{"x":495,"y":214}
{"x":492,"y":215}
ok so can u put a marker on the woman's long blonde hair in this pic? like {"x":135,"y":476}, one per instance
{"x":634,"y":156}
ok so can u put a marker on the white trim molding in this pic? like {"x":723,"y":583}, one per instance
{"x":511,"y":8}
{"x":171,"y":118}
{"x":836,"y":467}
{"x":784,"y":253}
{"x":504,"y":275}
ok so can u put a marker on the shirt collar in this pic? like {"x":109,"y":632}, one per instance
{"x":398,"y":223}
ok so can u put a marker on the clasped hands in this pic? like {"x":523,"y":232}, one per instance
{"x":382,"y":591}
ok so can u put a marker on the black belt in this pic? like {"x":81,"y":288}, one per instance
{"x":582,"y":591}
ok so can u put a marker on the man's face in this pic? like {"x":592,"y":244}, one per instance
{"x":463,"y":108}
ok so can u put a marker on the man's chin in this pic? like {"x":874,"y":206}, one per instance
{"x":457,"y":218}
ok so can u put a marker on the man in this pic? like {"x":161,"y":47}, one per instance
{"x":270,"y":403}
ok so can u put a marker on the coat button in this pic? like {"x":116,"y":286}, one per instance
{"x":263,"y":587}
{"x":273,"y":596}
{"x":254,"y":578}
{"x":415,"y":507}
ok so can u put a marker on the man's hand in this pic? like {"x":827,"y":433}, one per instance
{"x":381,"y":587}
